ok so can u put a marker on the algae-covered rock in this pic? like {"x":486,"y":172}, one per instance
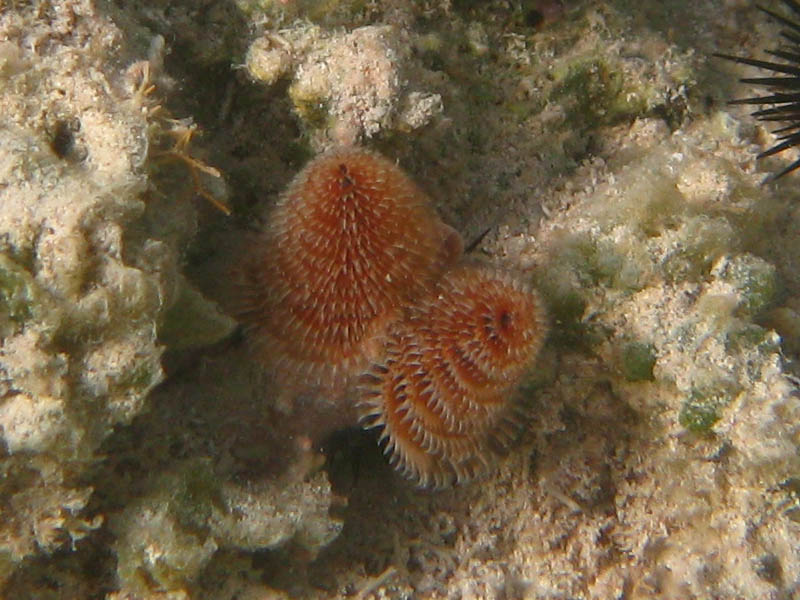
{"x":80,"y":299}
{"x":168,"y":537}
{"x":344,"y":86}
{"x":753,"y":279}
{"x":193,"y":321}
{"x":638,"y":360}
{"x":18,"y":296}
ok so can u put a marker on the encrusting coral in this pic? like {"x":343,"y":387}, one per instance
{"x":80,"y":299}
{"x":344,"y":86}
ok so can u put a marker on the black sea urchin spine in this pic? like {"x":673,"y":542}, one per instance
{"x":786,"y":89}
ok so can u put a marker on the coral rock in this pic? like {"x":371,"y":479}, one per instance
{"x":444,"y":393}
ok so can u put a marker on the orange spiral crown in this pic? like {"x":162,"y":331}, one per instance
{"x":355,"y":275}
{"x":349,"y":243}
{"x":443,"y":394}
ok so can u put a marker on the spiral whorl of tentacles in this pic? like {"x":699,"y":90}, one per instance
{"x":785,"y":96}
{"x":357,"y":293}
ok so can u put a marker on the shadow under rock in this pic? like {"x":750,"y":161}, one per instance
{"x":217,"y":404}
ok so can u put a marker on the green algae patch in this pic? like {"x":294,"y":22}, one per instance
{"x":18,"y":295}
{"x":311,"y":106}
{"x":196,"y":493}
{"x":596,"y":93}
{"x":754,"y":279}
{"x":638,"y":360}
{"x":163,"y":538}
{"x":591,"y":84}
{"x":699,"y":242}
{"x":590,"y":262}
{"x":704,"y":407}
{"x":750,"y":337}
{"x":566,"y":309}
{"x":194,"y":322}
{"x":699,"y":416}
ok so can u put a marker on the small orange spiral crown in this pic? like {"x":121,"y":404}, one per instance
{"x":443,"y":394}
{"x":350,"y":241}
